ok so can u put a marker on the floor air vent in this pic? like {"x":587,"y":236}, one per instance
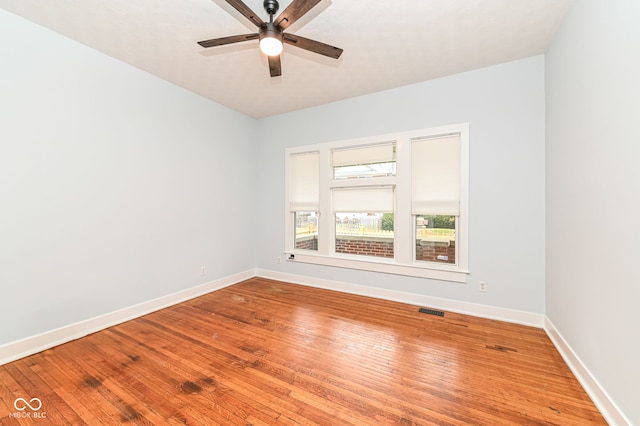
{"x":431,"y":312}
{"x":501,"y":348}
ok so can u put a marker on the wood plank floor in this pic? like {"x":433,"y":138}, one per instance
{"x":264,"y":352}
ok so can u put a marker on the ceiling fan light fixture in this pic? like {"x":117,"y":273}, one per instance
{"x":271,"y":46}
{"x":270,"y":40}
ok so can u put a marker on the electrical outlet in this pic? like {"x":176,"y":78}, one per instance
{"x":278,"y":260}
{"x":203,"y":270}
{"x":482,"y":286}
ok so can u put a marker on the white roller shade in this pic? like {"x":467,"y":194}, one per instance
{"x":304,"y":179}
{"x":435,"y":176}
{"x":363,"y":155}
{"x":363,"y":199}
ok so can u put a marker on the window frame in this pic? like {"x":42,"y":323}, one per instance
{"x":404,"y":262}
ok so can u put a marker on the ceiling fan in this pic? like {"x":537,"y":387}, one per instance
{"x":271,"y":34}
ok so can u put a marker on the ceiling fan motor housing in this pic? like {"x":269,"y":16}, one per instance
{"x":269,"y":29}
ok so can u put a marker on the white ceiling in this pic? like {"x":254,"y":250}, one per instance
{"x":386,"y":44}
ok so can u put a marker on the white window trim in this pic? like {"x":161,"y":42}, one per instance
{"x":403,"y":263}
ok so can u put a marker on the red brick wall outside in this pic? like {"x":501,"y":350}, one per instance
{"x":430,"y":251}
{"x":368,"y":246}
{"x":383,"y":247}
{"x":307,"y":243}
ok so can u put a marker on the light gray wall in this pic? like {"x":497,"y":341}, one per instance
{"x":593,"y":192}
{"x":115,"y":186}
{"x":504,"y":106}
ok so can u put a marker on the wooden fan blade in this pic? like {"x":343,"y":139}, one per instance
{"x":294,"y":11}
{"x":275,"y":68}
{"x":313,"y":46}
{"x":227,"y":40}
{"x":246,"y":11}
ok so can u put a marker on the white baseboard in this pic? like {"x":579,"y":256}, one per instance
{"x":484,"y":311}
{"x":596,"y":392}
{"x":33,"y":344}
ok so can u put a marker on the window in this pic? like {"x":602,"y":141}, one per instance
{"x":394,"y":203}
{"x":435,"y":197}
{"x":358,"y":221}
{"x":304,"y":199}
{"x":364,"y":162}
{"x":306,"y":230}
{"x":436,"y":238}
{"x":359,"y":200}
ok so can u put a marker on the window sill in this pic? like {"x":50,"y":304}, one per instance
{"x":388,"y":266}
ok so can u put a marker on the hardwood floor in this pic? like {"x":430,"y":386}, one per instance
{"x":264,"y":352}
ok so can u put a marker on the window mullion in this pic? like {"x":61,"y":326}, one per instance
{"x":403,"y":228}
{"x":326,"y":238}
{"x":463,"y":220}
